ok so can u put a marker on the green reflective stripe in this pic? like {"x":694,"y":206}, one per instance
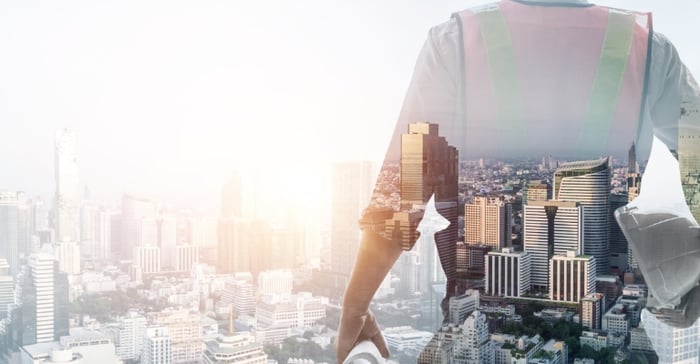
{"x":504,"y":77}
{"x":608,"y":80}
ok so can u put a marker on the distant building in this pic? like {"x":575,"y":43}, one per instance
{"x":509,"y":349}
{"x":68,"y":256}
{"x":553,"y":352}
{"x":44,"y":286}
{"x":507,"y":273}
{"x":128,"y":335}
{"x":460,"y":307}
{"x":9,"y":230}
{"x":147,"y":257}
{"x":185,"y":332}
{"x":405,"y":339}
{"x":352,"y":187}
{"x":591,"y":309}
{"x":571,"y":277}
{"x":275,"y":282}
{"x":473,"y":345}
{"x":185,"y":257}
{"x":235,"y":348}
{"x":588,"y":182}
{"x":299,"y":311}
{"x":537,"y":191}
{"x":67,"y":187}
{"x":487,"y":221}
{"x":616,"y":320}
{"x":157,"y":346}
{"x":639,"y":341}
{"x":597,"y":340}
{"x":550,"y":228}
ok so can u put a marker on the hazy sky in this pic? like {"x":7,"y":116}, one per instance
{"x":167,"y":98}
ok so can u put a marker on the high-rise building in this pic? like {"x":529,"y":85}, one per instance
{"x":128,"y":335}
{"x":235,"y":348}
{"x":67,"y":253}
{"x":87,"y":229}
{"x":185,"y":331}
{"x":67,"y":187}
{"x":9,"y":230}
{"x":24,"y":225}
{"x":473,"y":345}
{"x":591,"y":309}
{"x":588,"y":182}
{"x":537,"y":191}
{"x":234,"y":245}
{"x":7,"y":288}
{"x":507,"y":273}
{"x":186,"y":256}
{"x":430,"y":166}
{"x":157,"y":346}
{"x":618,"y":243}
{"x":672,"y":344}
{"x":167,"y":240}
{"x":487,"y":221}
{"x":44,"y":301}
{"x":147,"y":257}
{"x":460,"y":307}
{"x":571,"y":277}
{"x":551,"y":227}
{"x":240,"y":294}
{"x":351,"y":193}
{"x":275,"y":282}
{"x":102,"y":238}
{"x":138,"y":223}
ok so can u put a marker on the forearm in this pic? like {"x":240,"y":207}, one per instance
{"x":375,"y":257}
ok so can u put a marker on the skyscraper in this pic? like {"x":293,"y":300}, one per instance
{"x":167,"y":239}
{"x":352,"y":191}
{"x":689,"y":155}
{"x":67,"y":187}
{"x":487,"y":221}
{"x":588,"y":182}
{"x":551,"y":227}
{"x":618,"y":243}
{"x":234,"y":245}
{"x":44,"y":301}
{"x":430,"y":166}
{"x":139,"y":225}
{"x":9,"y":234}
{"x":67,"y":254}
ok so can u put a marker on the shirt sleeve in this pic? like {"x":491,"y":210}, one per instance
{"x":673,"y":101}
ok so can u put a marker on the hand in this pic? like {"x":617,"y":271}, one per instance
{"x":355,"y":327}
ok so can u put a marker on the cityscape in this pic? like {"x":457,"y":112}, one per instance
{"x":533,"y":267}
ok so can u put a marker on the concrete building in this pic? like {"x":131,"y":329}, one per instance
{"x":147,"y":257}
{"x":9,"y":230}
{"x":238,"y":348}
{"x":591,"y":309}
{"x":460,"y":307}
{"x":67,"y":187}
{"x":157,"y":346}
{"x":616,"y":320}
{"x":128,"y":335}
{"x":352,"y":187}
{"x":67,"y":253}
{"x":571,"y":277}
{"x":275,"y":282}
{"x":407,"y":340}
{"x":588,"y":182}
{"x":185,"y":257}
{"x":299,"y":311}
{"x":185,"y":332}
{"x":550,"y":228}
{"x":507,"y":273}
{"x":473,"y":345}
{"x":487,"y":221}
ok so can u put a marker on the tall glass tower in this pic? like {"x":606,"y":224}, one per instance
{"x":430,"y":166}
{"x":588,"y":182}
{"x":67,"y":187}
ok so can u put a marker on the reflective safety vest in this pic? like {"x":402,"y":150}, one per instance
{"x":564,"y":78}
